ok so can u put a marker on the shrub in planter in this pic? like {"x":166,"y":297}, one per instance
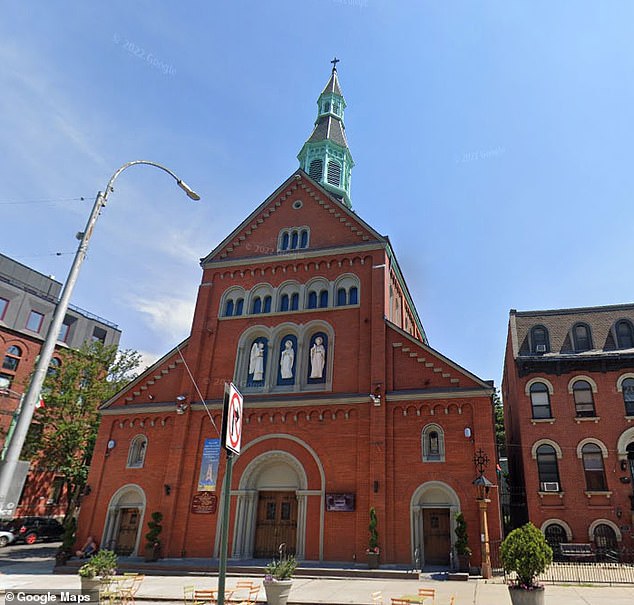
{"x":153,"y":543}
{"x":526,"y":552}
{"x":373,"y":551}
{"x":277,"y":579}
{"x":462,"y":543}
{"x":103,"y":564}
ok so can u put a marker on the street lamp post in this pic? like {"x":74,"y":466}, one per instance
{"x":483,"y":487}
{"x":31,"y":397}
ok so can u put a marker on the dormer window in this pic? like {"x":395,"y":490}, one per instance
{"x":581,"y":337}
{"x":624,"y":336}
{"x":539,"y":340}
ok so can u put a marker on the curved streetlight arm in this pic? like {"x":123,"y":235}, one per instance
{"x":32,"y":395}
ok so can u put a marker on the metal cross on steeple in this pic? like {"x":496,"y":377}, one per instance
{"x":334,"y":63}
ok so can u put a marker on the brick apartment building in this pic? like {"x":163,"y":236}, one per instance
{"x":568,"y":392}
{"x":27,"y":303}
{"x":346,"y":405}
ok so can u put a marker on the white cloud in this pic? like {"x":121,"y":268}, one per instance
{"x":170,"y":316}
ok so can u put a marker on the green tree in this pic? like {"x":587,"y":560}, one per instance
{"x":64,"y":431}
{"x":498,"y":414}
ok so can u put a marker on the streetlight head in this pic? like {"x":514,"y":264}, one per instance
{"x":191,"y":194}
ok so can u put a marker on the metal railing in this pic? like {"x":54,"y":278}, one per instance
{"x":612,"y":566}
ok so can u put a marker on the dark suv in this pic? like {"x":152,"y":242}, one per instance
{"x":31,"y":529}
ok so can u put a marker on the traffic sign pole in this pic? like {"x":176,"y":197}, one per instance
{"x":224,"y":532}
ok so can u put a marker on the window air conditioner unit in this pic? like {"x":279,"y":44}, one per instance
{"x":540,"y":349}
{"x":550,"y":486}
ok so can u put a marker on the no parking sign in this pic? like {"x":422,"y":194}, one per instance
{"x":232,"y":420}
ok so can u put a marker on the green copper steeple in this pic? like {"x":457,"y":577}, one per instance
{"x":325,"y":155}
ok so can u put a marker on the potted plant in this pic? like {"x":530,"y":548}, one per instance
{"x":153,"y":544}
{"x":526,"y":552}
{"x":99,"y":568}
{"x":277,"y":579}
{"x":462,"y":544}
{"x":373,"y":550}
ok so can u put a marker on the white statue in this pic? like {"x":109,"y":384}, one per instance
{"x":256,"y":361}
{"x":317,"y":358}
{"x":286,"y":360}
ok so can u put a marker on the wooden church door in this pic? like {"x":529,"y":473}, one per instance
{"x":437,"y":539}
{"x":276,"y":524}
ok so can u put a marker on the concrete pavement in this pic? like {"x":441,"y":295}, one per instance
{"x":345,"y":591}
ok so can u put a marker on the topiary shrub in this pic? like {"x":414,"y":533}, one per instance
{"x":526,"y":552}
{"x":153,"y":543}
{"x":373,"y":542}
{"x":462,"y":539}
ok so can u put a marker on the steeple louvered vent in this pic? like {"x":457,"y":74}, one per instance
{"x":316,"y":169}
{"x":334,"y":173}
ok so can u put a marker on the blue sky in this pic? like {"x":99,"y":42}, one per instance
{"x":492,"y":141}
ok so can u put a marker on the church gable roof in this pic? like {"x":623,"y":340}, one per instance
{"x":419,"y":367}
{"x":330,"y":223}
{"x":163,"y":376}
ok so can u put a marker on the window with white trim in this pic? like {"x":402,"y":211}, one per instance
{"x":136,"y":453}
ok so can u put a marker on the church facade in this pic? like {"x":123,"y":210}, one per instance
{"x":346,"y":405}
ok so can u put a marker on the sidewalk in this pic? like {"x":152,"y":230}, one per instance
{"x":346,"y":591}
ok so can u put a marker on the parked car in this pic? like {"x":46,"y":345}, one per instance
{"x":32,"y":529}
{"x":6,"y":537}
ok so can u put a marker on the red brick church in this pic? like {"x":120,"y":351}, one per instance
{"x":346,"y":406}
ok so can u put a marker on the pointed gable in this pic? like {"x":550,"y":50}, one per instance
{"x":299,"y":203}
{"x":416,"y":366}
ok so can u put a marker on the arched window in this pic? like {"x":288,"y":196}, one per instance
{"x":353,"y":296}
{"x":284,"y":302}
{"x":53,"y":367}
{"x":539,"y":340}
{"x":239,"y":306}
{"x":584,"y":401}
{"x":312,"y":299}
{"x":267,"y":304}
{"x":604,"y":540}
{"x":555,"y":535}
{"x":257,"y":305}
{"x":285,"y":241}
{"x":582,"y":337}
{"x":624,"y":336}
{"x":540,"y":400}
{"x":136,"y":453}
{"x":229,"y":308}
{"x":433,"y":442}
{"x":593,"y":468}
{"x":323,"y":299}
{"x":547,"y":468}
{"x":628,"y":396}
{"x":12,"y":358}
{"x":304,"y":239}
{"x":341,"y":297}
{"x":316,"y":169}
{"x":294,"y":301}
{"x":294,"y":240}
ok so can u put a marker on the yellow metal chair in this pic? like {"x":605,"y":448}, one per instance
{"x":188,"y":595}
{"x":427,"y":593}
{"x":251,"y":598}
{"x":397,"y":601}
{"x":377,"y":597}
{"x":129,"y":587}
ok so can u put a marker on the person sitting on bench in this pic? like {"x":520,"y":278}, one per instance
{"x":88,"y":549}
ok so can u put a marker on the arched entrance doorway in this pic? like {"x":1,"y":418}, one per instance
{"x":122,"y":531}
{"x":271,"y":507}
{"x":433,"y":508}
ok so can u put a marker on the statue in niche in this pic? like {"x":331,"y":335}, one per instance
{"x":256,"y":361}
{"x":286,"y":360}
{"x":317,"y":358}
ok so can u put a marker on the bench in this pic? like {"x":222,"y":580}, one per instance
{"x":577,"y":552}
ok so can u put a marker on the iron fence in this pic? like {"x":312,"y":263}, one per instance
{"x":611,"y":566}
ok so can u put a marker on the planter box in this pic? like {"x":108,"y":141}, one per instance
{"x":526,"y":597}
{"x":277,"y":592}
{"x":373,"y":560}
